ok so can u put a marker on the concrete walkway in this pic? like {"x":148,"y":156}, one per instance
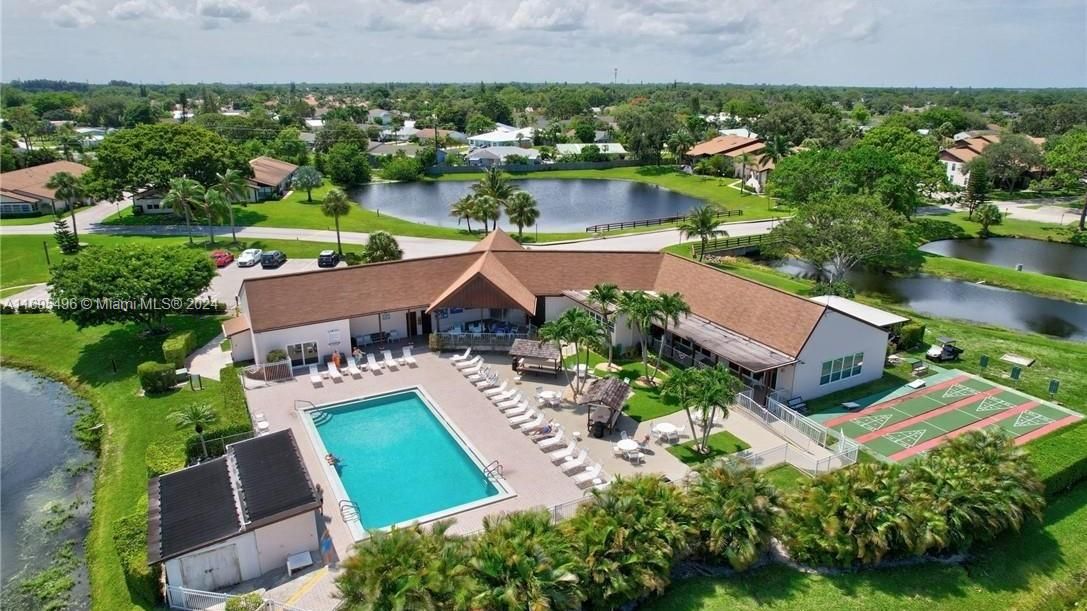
{"x":209,"y":359}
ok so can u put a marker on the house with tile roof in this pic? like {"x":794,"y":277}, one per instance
{"x":734,"y":147}
{"x":969,"y":146}
{"x":23,"y":192}
{"x":499,"y":291}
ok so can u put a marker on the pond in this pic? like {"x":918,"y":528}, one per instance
{"x":1050,"y":258}
{"x":947,"y":298}
{"x":565,"y":205}
{"x":46,"y":485}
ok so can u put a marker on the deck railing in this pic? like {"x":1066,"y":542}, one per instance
{"x":664,"y":220}
{"x":480,"y":341}
{"x":802,"y":432}
{"x":723,"y":244}
{"x":195,"y":600}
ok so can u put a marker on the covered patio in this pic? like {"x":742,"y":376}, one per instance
{"x":529,"y":355}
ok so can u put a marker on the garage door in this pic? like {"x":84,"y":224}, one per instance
{"x":212,"y":570}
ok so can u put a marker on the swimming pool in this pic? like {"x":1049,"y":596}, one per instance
{"x":401,"y":460}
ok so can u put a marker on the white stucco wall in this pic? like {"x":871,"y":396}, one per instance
{"x":390,"y":321}
{"x":241,"y":347}
{"x":277,"y":541}
{"x":278,"y":340}
{"x":248,"y":560}
{"x":555,"y":306}
{"x":838,"y":335}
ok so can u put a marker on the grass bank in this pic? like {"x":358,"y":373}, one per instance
{"x":995,"y":275}
{"x":1018,"y":571}
{"x":1012,"y":227}
{"x":86,"y":360}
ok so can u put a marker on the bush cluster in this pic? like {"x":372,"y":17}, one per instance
{"x":164,"y":457}
{"x":156,"y":377}
{"x":912,"y":335}
{"x":402,"y":167}
{"x":178,"y":346}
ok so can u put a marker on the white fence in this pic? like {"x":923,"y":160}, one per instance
{"x":198,"y":600}
{"x":804,"y":433}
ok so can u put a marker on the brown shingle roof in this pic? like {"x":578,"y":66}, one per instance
{"x":31,"y":181}
{"x":269,"y":171}
{"x":497,"y":240}
{"x":609,"y":392}
{"x":536,"y":349}
{"x":235,"y":325}
{"x":719,"y":145}
{"x":486,"y":284}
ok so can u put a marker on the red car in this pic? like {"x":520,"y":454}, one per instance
{"x":222,"y":258}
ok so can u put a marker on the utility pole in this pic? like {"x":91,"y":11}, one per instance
{"x":614,"y":76}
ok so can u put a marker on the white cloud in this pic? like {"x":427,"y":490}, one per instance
{"x":75,"y":14}
{"x":132,"y":10}
{"x":230,"y":10}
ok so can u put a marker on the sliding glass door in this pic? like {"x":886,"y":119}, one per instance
{"x":302,"y":354}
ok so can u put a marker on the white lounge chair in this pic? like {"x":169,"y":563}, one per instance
{"x":477,"y":374}
{"x":497,"y":390}
{"x":586,"y":478}
{"x":518,"y":409}
{"x":504,"y":395}
{"x":315,"y":377}
{"x":469,"y":364}
{"x":390,"y":362}
{"x":489,"y":381}
{"x":353,"y":369}
{"x":551,"y":442}
{"x":372,"y":362}
{"x":408,"y":358}
{"x":576,"y":463}
{"x":334,"y":372}
{"x":525,"y":418}
{"x":563,"y":454}
{"x":536,"y":423}
{"x":457,"y":358}
{"x":508,"y":403}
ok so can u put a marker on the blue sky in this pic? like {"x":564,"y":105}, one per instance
{"x":964,"y":43}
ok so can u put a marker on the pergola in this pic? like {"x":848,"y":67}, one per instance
{"x":605,"y":399}
{"x":536,"y":355}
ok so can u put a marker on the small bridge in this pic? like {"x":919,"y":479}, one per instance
{"x":744,"y":243}
{"x":664,"y":220}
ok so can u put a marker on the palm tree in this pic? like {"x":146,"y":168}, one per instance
{"x":745,"y":161}
{"x":681,"y":387}
{"x":605,"y":296}
{"x":307,"y":177}
{"x":68,"y":140}
{"x":183,"y":194}
{"x":582,"y":331}
{"x":717,"y":388}
{"x":670,"y":306}
{"x":487,"y":208}
{"x":382,"y":247}
{"x":777,"y":148}
{"x":521,"y":561}
{"x":556,"y":331}
{"x":640,"y":308}
{"x":701,"y":222}
{"x":733,"y":508}
{"x":213,"y":204}
{"x":522,"y":211}
{"x":199,"y":416}
{"x":679,"y":143}
{"x":464,"y":208}
{"x":69,"y":188}
{"x":232,"y":185}
{"x":495,"y":184}
{"x":336,"y":204}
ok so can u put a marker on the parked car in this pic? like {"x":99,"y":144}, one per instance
{"x":222,"y":258}
{"x":328,"y":258}
{"x":249,"y":257}
{"x":272,"y":259}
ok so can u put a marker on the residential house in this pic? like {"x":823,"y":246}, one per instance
{"x":611,"y":149}
{"x":742,"y":132}
{"x":445,"y":134}
{"x":379,"y":116}
{"x":149,"y":201}
{"x":402,"y":134}
{"x":235,"y":517}
{"x":734,"y":147}
{"x":504,"y":135}
{"x":271,"y":178}
{"x":314,"y":124}
{"x":496,"y":155}
{"x":967,"y":147}
{"x":23,"y":192}
{"x":776,"y":342}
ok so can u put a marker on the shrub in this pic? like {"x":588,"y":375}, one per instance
{"x":838,"y":288}
{"x":1061,"y":458}
{"x":732,"y":508}
{"x":164,"y":457}
{"x":275,"y":356}
{"x":911,"y":335}
{"x":233,"y":392}
{"x":156,"y":377}
{"x":217,"y":440}
{"x":178,"y":346}
{"x":402,"y":167}
{"x":246,"y":602}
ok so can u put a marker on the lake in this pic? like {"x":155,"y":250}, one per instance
{"x":46,"y":484}
{"x":1050,"y":258}
{"x":946,"y":298}
{"x":565,"y":205}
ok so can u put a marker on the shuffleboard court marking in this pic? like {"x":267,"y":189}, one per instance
{"x":907,"y":423}
{"x":993,"y":404}
{"x":874,"y":422}
{"x":906,"y":439}
{"x":959,"y":391}
{"x":980,"y":424}
{"x":833,"y":422}
{"x":1047,"y":429}
{"x":1031,"y":419}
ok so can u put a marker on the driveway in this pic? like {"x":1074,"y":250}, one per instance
{"x":225,"y":285}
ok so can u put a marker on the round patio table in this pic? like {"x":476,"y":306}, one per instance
{"x":665,"y":428}
{"x":627,"y":445}
{"x":550,"y":397}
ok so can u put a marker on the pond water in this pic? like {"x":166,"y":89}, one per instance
{"x":1050,"y":258}
{"x":565,"y":205}
{"x":965,"y":300}
{"x":46,"y":485}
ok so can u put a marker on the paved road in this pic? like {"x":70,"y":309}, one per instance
{"x":1059,"y":210}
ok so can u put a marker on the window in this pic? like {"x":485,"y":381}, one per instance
{"x":841,"y":368}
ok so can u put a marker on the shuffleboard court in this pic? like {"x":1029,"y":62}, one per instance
{"x":1032,"y":419}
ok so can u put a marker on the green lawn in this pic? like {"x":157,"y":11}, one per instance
{"x":22,"y":257}
{"x":713,"y":190}
{"x":1016,"y":228}
{"x":785,"y":477}
{"x":85,"y":360}
{"x":646,"y":403}
{"x":1018,"y":571}
{"x":720,"y":444}
{"x":1039,"y":284}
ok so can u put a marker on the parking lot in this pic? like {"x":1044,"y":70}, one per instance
{"x":228,"y":281}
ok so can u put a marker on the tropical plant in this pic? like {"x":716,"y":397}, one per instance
{"x":233,"y":187}
{"x":521,"y":561}
{"x":487,"y":208}
{"x":308,"y":178}
{"x":987,"y":215}
{"x":670,"y":307}
{"x":382,"y":247}
{"x":640,"y":309}
{"x":464,"y":208}
{"x":405,"y":569}
{"x":522,"y":211}
{"x":628,"y":540}
{"x":213,"y":204}
{"x":702,"y":222}
{"x":605,"y":296}
{"x":69,"y":188}
{"x":579,"y":329}
{"x":197,"y":416}
{"x":495,"y":184}
{"x":68,"y":140}
{"x":732,"y":510}
{"x":777,"y":148}
{"x":65,"y":240}
{"x":977,"y":186}
{"x":335,"y":205}
{"x":681,"y":387}
{"x":716,"y":391}
{"x":679,"y":143}
{"x":182,"y":196}
{"x":745,"y":161}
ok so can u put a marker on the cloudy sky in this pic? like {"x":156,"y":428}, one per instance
{"x":1016,"y":43}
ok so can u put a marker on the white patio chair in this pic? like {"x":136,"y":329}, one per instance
{"x":491,"y":393}
{"x":372,"y":363}
{"x":586,"y":478}
{"x":409,"y":358}
{"x":390,"y":362}
{"x":315,"y":377}
{"x":551,"y":442}
{"x":517,"y":410}
{"x":469,"y":363}
{"x":563,"y":454}
{"x":576,"y":463}
{"x":525,"y":418}
{"x":334,"y":372}
{"x":457,"y":358}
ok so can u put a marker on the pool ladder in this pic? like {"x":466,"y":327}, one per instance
{"x":321,"y":417}
{"x":493,"y":470}
{"x":349,"y":511}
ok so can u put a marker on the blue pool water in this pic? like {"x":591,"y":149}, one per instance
{"x":397,"y":460}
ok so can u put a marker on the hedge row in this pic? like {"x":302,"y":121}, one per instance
{"x":178,"y":346}
{"x":156,"y":377}
{"x":1061,"y":458}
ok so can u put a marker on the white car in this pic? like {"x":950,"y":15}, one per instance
{"x":249,"y":257}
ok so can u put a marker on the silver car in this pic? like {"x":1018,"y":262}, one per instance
{"x":249,"y":257}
